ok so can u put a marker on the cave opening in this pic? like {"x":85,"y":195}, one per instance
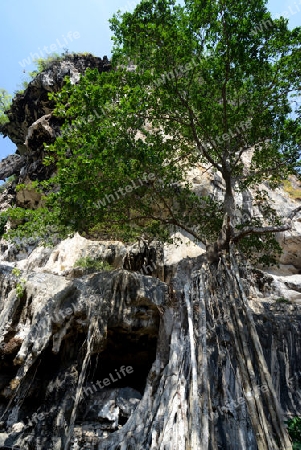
{"x":126,"y":360}
{"x":116,"y":379}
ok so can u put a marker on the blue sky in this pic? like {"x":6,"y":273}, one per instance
{"x":35,"y":27}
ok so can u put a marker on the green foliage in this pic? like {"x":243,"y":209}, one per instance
{"x":40,"y":225}
{"x":282,"y":300}
{"x":32,"y":186}
{"x":44,"y":63}
{"x":20,"y":286}
{"x":126,"y":233}
{"x":3,"y":222}
{"x":263,"y":249}
{"x":91,"y":264}
{"x":207,"y":88}
{"x":5,"y":101}
{"x":16,"y":272}
{"x":294,"y":430}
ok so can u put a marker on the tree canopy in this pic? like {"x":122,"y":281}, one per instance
{"x":200,"y":85}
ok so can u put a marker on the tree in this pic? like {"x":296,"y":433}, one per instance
{"x":204,"y":84}
{"x":5,"y":100}
{"x":207,"y":88}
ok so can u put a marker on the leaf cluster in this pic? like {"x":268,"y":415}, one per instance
{"x":91,"y":264}
{"x":208,"y":90}
{"x":5,"y":101}
{"x":294,"y":430}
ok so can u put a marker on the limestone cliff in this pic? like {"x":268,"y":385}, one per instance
{"x":31,"y":123}
{"x":155,"y":348}
{"x":64,"y":333}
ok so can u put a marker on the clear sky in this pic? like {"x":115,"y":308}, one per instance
{"x":35,"y":27}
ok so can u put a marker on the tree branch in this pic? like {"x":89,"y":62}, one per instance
{"x":173,"y":222}
{"x":262,"y":230}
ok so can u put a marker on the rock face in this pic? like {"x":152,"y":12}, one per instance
{"x":58,"y":315}
{"x":107,"y":359}
{"x":31,"y":123}
{"x":11,"y":165}
{"x":291,"y":244}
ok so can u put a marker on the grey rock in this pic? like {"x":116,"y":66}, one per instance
{"x":63,"y":335}
{"x":30,"y":115}
{"x":11,"y":165}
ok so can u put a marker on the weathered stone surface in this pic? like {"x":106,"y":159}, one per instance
{"x":183,"y":247}
{"x":287,"y":288}
{"x":10,"y":165}
{"x":109,"y":407}
{"x":7,"y":198}
{"x":40,"y":132}
{"x":53,"y":311}
{"x":31,"y":123}
{"x":62,"y":260}
{"x":28,"y":197}
{"x":62,"y":336}
{"x":29,"y":107}
{"x":12,"y":252}
{"x":290,"y":242}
